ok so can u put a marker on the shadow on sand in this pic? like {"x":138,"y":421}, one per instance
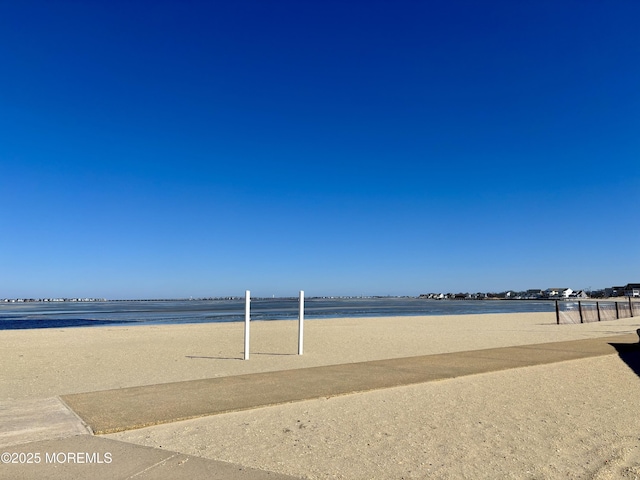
{"x":212,"y":358}
{"x":237,"y":358}
{"x":630,"y":354}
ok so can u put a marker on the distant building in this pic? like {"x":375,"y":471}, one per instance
{"x":617,"y":291}
{"x":558,"y":292}
{"x":632,"y":290}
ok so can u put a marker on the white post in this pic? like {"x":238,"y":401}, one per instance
{"x":247,"y":319}
{"x":301,"y":323}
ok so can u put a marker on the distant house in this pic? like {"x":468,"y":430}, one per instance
{"x":553,"y":292}
{"x":558,"y":292}
{"x":618,"y":291}
{"x":632,"y":290}
{"x":580,"y":294}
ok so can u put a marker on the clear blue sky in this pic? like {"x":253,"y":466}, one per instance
{"x":173,"y":149}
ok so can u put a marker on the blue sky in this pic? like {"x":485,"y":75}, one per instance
{"x":174,"y":149}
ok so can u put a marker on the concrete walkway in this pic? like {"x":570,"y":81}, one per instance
{"x":112,"y":411}
{"x":98,"y":458}
{"x":37,"y":419}
{"x":74,"y":453}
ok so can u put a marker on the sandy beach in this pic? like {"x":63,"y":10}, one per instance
{"x":574,"y":419}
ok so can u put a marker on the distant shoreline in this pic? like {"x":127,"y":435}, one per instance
{"x":364,"y":297}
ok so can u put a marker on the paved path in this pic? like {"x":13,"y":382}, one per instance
{"x":112,"y":411}
{"x":37,"y":419}
{"x":98,"y":458}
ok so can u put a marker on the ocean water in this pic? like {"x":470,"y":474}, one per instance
{"x":71,"y":314}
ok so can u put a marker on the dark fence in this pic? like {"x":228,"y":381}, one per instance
{"x":589,"y":311}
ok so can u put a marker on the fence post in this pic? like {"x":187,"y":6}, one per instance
{"x":598,"y":308}
{"x":617,"y":311}
{"x":301,"y":323}
{"x":557,"y":313}
{"x":630,"y":307}
{"x":580,"y":310}
{"x":247,"y":320}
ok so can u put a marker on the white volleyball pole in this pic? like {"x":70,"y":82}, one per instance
{"x":247,"y":319}
{"x":301,"y":323}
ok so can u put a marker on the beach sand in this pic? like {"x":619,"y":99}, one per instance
{"x":574,"y":419}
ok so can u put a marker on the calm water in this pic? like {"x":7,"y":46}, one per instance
{"x":68,"y":314}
